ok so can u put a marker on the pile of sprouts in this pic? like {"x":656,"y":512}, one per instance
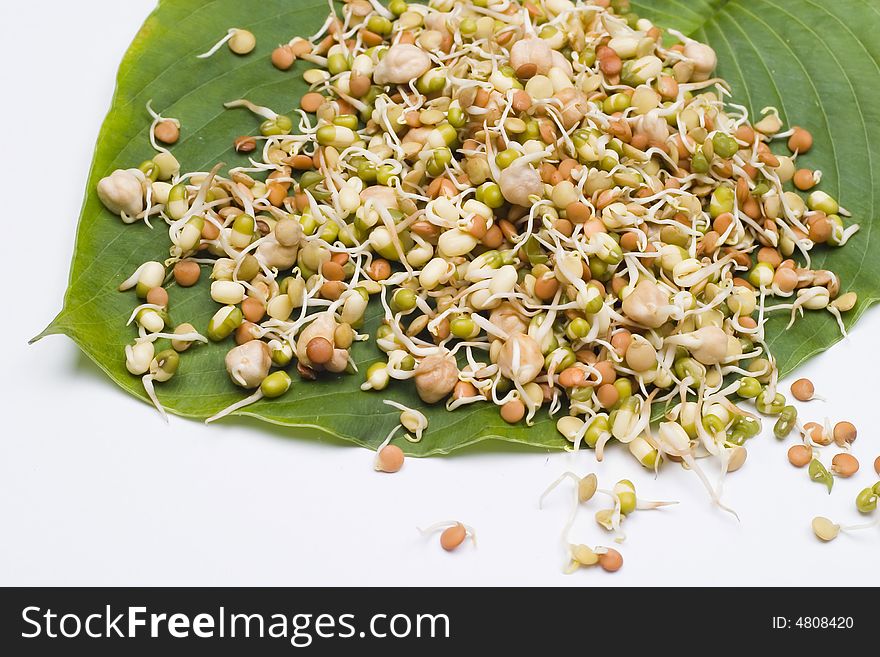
{"x":556,"y":209}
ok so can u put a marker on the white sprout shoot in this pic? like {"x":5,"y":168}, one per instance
{"x":157,"y":119}
{"x":147,"y":381}
{"x":447,"y":524}
{"x":229,"y":34}
{"x":412,"y":419}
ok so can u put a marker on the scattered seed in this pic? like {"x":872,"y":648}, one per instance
{"x":800,"y":455}
{"x":800,"y":140}
{"x":310,"y":102}
{"x":513,"y":411}
{"x":844,"y":465}
{"x":844,"y":433}
{"x":244,"y":144}
{"x":157,"y":296}
{"x":803,"y":179}
{"x":802,"y":389}
{"x":283,"y":58}
{"x":611,"y":560}
{"x":389,"y":459}
{"x":825,"y":529}
{"x":242,"y":42}
{"x":253,"y":310}
{"x":333,"y":271}
{"x":319,"y":350}
{"x":168,"y":132}
{"x":452,"y":537}
{"x":817,"y":433}
{"x":866,"y":500}
{"x":186,"y":273}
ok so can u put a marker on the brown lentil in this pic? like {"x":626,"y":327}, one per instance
{"x":803,"y":389}
{"x":803,"y":179}
{"x":513,"y":411}
{"x":452,"y":537}
{"x":283,"y":58}
{"x":167,"y":131}
{"x":253,"y":309}
{"x":844,"y":465}
{"x":800,"y":455}
{"x":844,"y":433}
{"x":311,"y":101}
{"x":158,"y":296}
{"x":187,"y":272}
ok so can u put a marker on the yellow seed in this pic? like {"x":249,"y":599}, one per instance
{"x":584,"y":555}
{"x":242,"y":42}
{"x":737,"y":458}
{"x":824,"y":529}
{"x":587,"y":487}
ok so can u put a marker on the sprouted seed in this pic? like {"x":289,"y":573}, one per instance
{"x":820,"y":474}
{"x":827,"y":530}
{"x":877,"y":465}
{"x":411,"y":419}
{"x":844,"y":465}
{"x":453,"y":533}
{"x":452,"y":537}
{"x":817,"y":433}
{"x":283,"y":57}
{"x":163,"y":129}
{"x":803,"y":390}
{"x":844,"y":433}
{"x":585,"y":489}
{"x":866,"y":500}
{"x":554,"y":206}
{"x":610,"y":560}
{"x":240,"y":41}
{"x":582,"y":556}
{"x":389,"y":458}
{"x":625,"y":502}
{"x":800,"y":455}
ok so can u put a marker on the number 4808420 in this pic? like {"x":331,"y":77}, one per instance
{"x":824,"y":622}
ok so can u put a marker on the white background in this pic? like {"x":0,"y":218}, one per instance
{"x":95,"y":489}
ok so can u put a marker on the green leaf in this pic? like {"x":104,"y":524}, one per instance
{"x":816,"y":62}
